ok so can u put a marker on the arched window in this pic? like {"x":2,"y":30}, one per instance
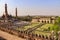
{"x":42,"y":21}
{"x":47,"y":21}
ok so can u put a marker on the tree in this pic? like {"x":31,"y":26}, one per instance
{"x":26,"y":18}
{"x":57,"y":21}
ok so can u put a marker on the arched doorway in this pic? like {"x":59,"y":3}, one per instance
{"x":42,"y":21}
{"x":47,"y":21}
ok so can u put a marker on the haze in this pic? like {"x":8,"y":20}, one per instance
{"x":31,"y":7}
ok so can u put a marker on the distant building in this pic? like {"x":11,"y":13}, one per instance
{"x":44,"y":19}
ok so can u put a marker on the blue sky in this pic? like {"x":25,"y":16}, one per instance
{"x":31,"y":7}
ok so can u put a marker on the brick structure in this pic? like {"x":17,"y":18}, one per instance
{"x":44,"y":20}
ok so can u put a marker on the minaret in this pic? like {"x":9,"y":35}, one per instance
{"x":6,"y":13}
{"x":16,"y":12}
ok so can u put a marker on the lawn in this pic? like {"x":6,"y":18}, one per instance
{"x":42,"y":33}
{"x":43,"y":30}
{"x":45,"y":27}
{"x":31,"y":25}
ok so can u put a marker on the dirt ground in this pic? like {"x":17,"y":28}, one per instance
{"x":9,"y":36}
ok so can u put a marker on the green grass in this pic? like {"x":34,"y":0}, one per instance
{"x":43,"y":30}
{"x":45,"y":27}
{"x":42,"y":33}
{"x":31,"y":25}
{"x":20,"y":29}
{"x":28,"y":26}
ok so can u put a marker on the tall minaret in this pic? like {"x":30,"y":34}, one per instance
{"x":16,"y":12}
{"x":6,"y":12}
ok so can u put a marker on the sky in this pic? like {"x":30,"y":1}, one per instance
{"x":31,"y":7}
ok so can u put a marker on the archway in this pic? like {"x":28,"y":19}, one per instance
{"x":47,"y":21}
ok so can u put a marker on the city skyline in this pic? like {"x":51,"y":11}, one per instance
{"x":31,"y":7}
